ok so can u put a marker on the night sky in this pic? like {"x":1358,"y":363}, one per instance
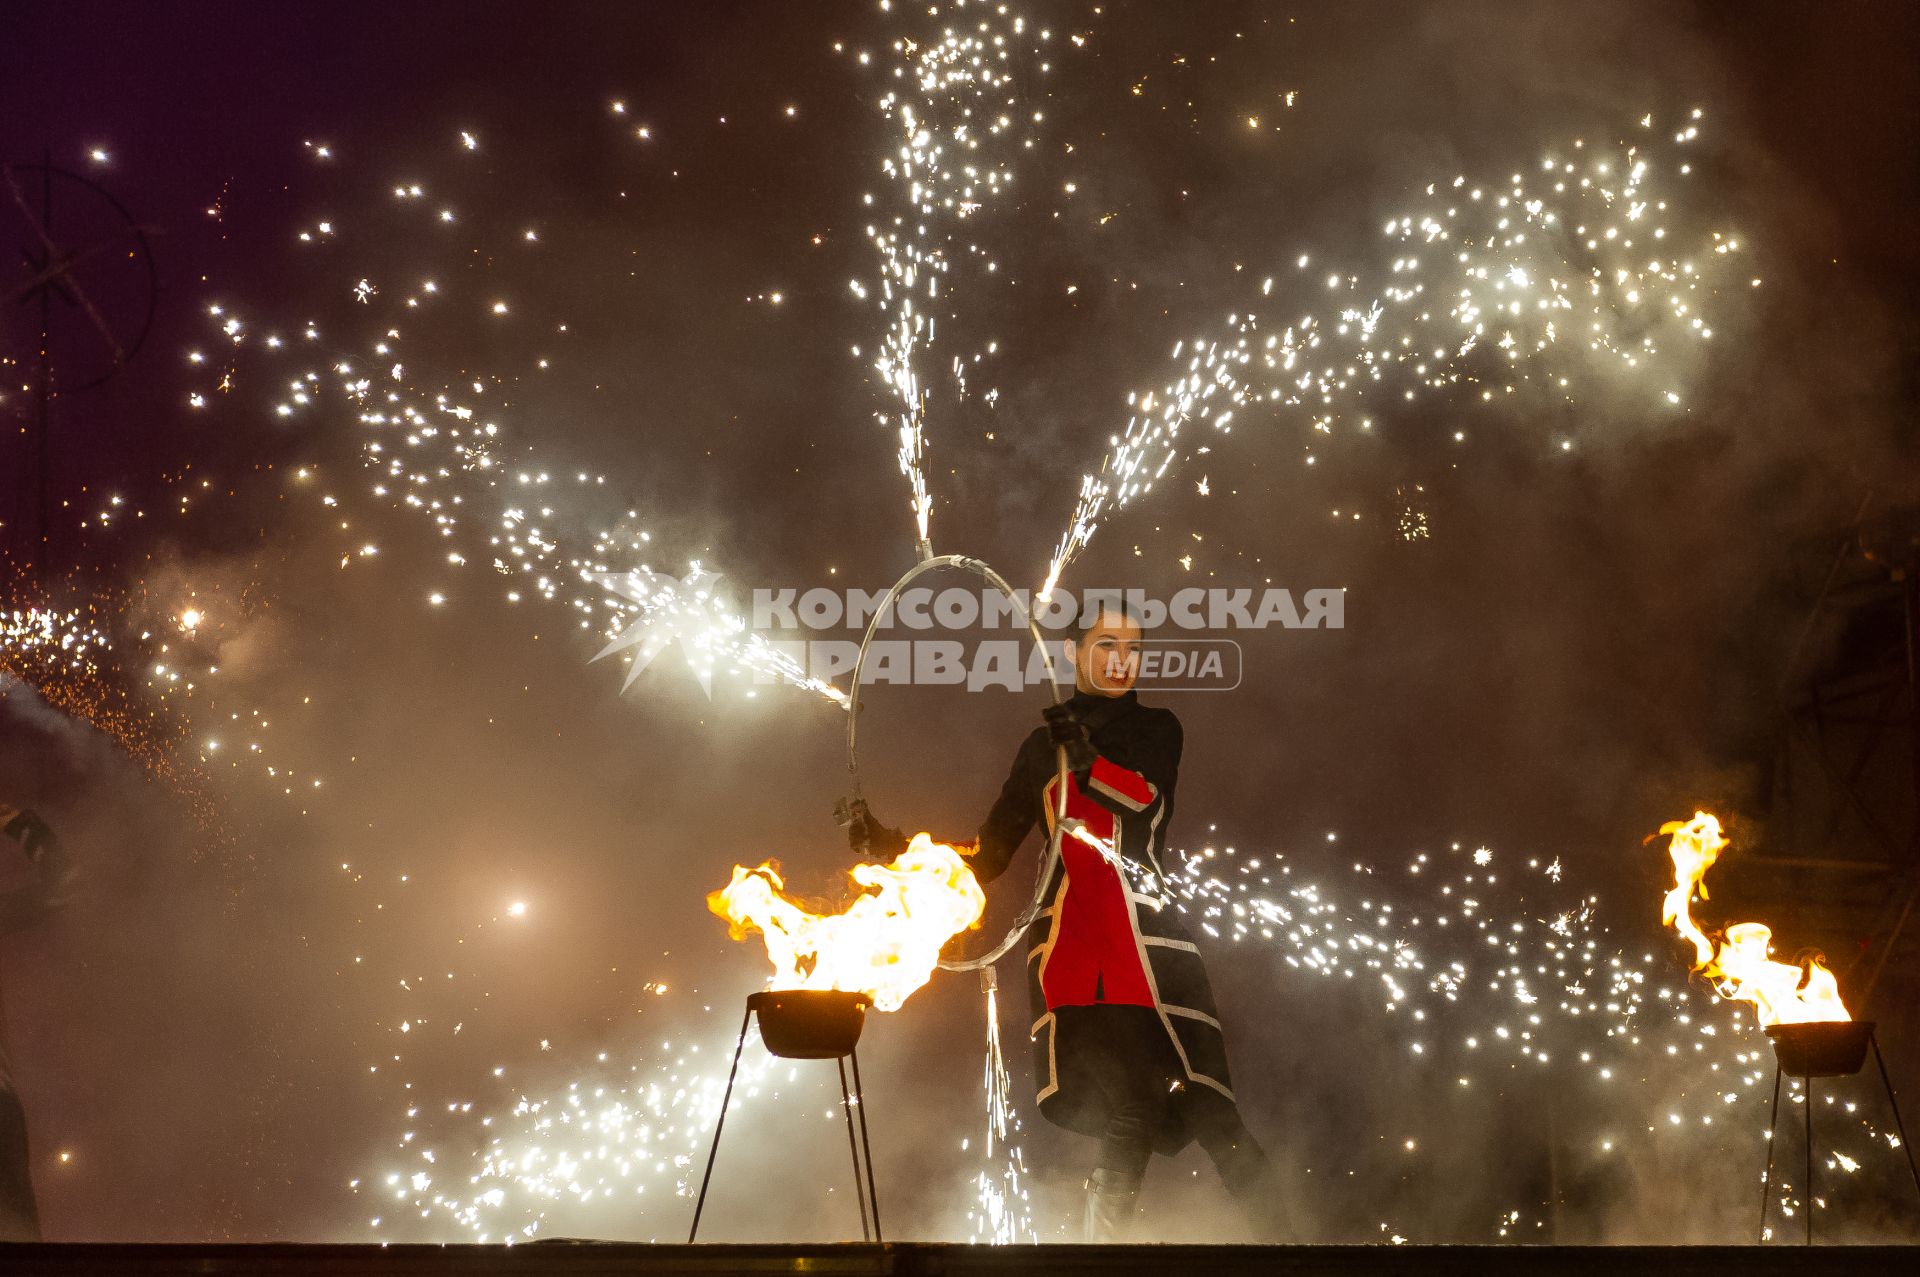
{"x":1588,"y":642}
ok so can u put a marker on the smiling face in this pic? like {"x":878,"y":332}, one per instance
{"x":1106,"y":659}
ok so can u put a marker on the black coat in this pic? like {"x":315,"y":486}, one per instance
{"x":1146,"y":741}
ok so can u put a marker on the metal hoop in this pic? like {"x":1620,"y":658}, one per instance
{"x":961,"y":563}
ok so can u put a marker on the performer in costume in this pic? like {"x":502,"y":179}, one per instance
{"x":1128,"y":1046}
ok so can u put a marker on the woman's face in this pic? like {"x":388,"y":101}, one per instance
{"x":1107,"y":660}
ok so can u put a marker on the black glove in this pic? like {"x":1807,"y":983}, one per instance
{"x":867,"y":836}
{"x":1066,"y":731}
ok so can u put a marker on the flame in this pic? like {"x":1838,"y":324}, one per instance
{"x":884,"y":944}
{"x":1739,"y":965}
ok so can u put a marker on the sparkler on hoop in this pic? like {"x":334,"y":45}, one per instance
{"x":958,"y":129}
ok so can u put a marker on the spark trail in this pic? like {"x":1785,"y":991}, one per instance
{"x":1588,"y":276}
{"x":958,"y":128}
{"x":1493,"y":984}
{"x":1546,"y":285}
{"x":1002,"y":1214}
{"x":592,"y":1146}
{"x":442,"y":455}
{"x":138,"y":663}
{"x":1496,"y":978}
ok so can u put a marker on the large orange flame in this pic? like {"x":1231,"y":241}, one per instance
{"x":884,"y":944}
{"x":1740,"y":965}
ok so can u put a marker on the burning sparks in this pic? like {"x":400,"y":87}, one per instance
{"x":1524,"y":283}
{"x":1003,"y":1212}
{"x":885,"y":944}
{"x":1502,"y":974}
{"x":1741,"y":966}
{"x":1570,"y":274}
{"x":959,"y":128}
{"x":693,"y":612}
{"x":598,"y":1143}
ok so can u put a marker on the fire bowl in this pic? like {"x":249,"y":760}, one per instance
{"x":810,"y":1024}
{"x":1822,"y":1048}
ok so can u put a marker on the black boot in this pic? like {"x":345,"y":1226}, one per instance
{"x":1257,"y":1191}
{"x":1112,"y":1199}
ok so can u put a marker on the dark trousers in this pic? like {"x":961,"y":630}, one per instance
{"x":1123,"y":1054}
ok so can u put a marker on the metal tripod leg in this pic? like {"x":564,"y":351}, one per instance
{"x":1766,"y":1178}
{"x":859,"y":1182}
{"x":1806,"y":1087}
{"x":718,"y":1126}
{"x":873,"y":1194}
{"x":1898,"y":1125}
